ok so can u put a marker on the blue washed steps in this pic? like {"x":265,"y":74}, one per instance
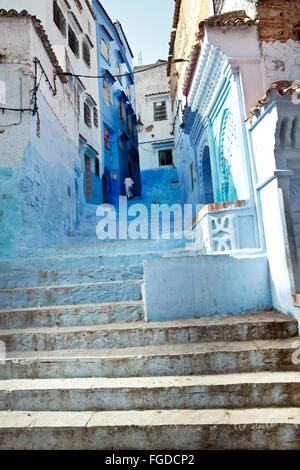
{"x":158,"y":360}
{"x":71,"y":294}
{"x":78,"y":261}
{"x":72,"y":315}
{"x":258,"y":389}
{"x":86,"y":247}
{"x":70,"y":276}
{"x":71,"y":320}
{"x":124,"y":335}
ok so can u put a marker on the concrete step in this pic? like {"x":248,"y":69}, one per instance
{"x":182,"y":359}
{"x":97,"y":292}
{"x":86,"y":246}
{"x":246,"y":390}
{"x":36,"y":278}
{"x":264,"y":428}
{"x":53,"y":263}
{"x":72,"y":315}
{"x":252,"y":326}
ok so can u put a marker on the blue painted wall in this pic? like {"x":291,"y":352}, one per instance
{"x":116,"y":157}
{"x":162,"y":184}
{"x":38,"y":204}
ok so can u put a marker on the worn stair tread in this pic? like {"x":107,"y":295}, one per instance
{"x":264,"y":318}
{"x":47,"y":277}
{"x":182,"y":349}
{"x":69,"y":286}
{"x":73,"y":307}
{"x":147,"y":418}
{"x":148,"y":383}
{"x":159,"y":253}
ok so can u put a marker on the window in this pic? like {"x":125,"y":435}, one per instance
{"x":160,"y":111}
{"x":87,"y":115}
{"x":69,"y":70}
{"x":193,"y":174}
{"x":127,"y":121}
{"x":86,"y":54}
{"x":129,"y":92}
{"x":59,"y":19}
{"x":78,"y":101}
{"x":96,"y":118}
{"x":119,"y":72}
{"x":165,"y":157}
{"x":133,"y":129}
{"x":107,"y":92}
{"x":105,"y":49}
{"x":122,"y":111}
{"x":88,"y":177}
{"x":97,"y":167}
{"x":73,"y":41}
{"x":218,"y":6}
{"x":78,"y":4}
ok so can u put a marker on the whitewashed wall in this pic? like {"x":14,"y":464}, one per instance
{"x":43,"y":10}
{"x":152,"y":82}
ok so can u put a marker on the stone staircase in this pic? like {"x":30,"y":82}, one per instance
{"x":84,"y":371}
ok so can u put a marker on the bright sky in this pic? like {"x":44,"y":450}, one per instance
{"x":147,"y":25}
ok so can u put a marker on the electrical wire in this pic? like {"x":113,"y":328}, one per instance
{"x":69,"y":74}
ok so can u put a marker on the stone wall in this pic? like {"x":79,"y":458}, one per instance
{"x":191,"y":13}
{"x":277,"y":19}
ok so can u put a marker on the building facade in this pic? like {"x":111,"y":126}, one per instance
{"x":117,"y":103}
{"x":71,"y":30}
{"x":39,"y":138}
{"x":244,"y":171}
{"x":156,"y":138}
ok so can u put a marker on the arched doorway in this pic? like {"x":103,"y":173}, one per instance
{"x":208,"y":195}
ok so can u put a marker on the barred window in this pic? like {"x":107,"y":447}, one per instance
{"x":128,"y":122}
{"x":105,"y":49}
{"x":86,"y":54}
{"x":88,"y":177}
{"x":122,"y":111}
{"x":96,"y":117}
{"x":160,"y":111}
{"x":119,"y":72}
{"x":73,"y":41}
{"x":87,"y":115}
{"x":59,"y":19}
{"x":165,"y":157}
{"x":107,"y":92}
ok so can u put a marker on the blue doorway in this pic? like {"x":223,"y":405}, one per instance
{"x":208,"y":195}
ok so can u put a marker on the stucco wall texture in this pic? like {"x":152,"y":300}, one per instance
{"x":38,"y":152}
